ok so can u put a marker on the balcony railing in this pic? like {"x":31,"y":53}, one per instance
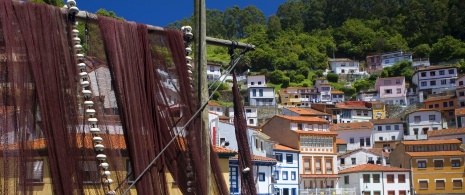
{"x":415,"y":137}
{"x":328,"y":191}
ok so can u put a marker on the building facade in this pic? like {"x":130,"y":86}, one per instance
{"x":356,"y":134}
{"x":392,"y":90}
{"x":353,"y":111}
{"x":435,"y":79}
{"x":387,"y":131}
{"x":446,"y":104}
{"x":213,"y":71}
{"x":344,"y":66}
{"x":421,"y":121}
{"x":286,"y":171}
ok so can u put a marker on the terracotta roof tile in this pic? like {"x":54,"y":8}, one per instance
{"x":436,"y":153}
{"x":258,"y":75}
{"x":372,"y":168}
{"x":378,"y":151}
{"x":444,"y":97}
{"x":319,"y":175}
{"x":460,"y":111}
{"x":336,"y":92}
{"x":435,"y":68}
{"x":340,"y":141}
{"x":444,"y":132}
{"x":352,"y":105}
{"x":258,"y":158}
{"x":385,"y":121}
{"x":431,"y":142}
{"x":307,"y":111}
{"x":303,"y":119}
{"x":351,"y":126}
{"x":212,"y":103}
{"x":222,"y":150}
{"x":223,"y":118}
{"x":284,"y":148}
{"x":315,"y":132}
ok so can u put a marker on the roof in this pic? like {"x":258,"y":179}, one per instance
{"x":303,"y":118}
{"x":444,"y":97}
{"x":307,"y":111}
{"x":372,"y":168}
{"x":222,"y":150}
{"x":436,"y":153}
{"x":444,"y":132}
{"x":385,"y":121}
{"x":352,"y":105}
{"x":319,"y":175}
{"x":258,"y":158}
{"x":423,"y":110}
{"x":258,"y":75}
{"x":460,"y":111}
{"x":340,"y":141}
{"x":341,"y":60}
{"x":431,"y":142}
{"x":284,"y":148}
{"x":336,"y":92}
{"x":315,"y":132}
{"x":378,"y":151}
{"x":351,"y":126}
{"x":212,"y":103}
{"x":213,"y":64}
{"x":435,"y":68}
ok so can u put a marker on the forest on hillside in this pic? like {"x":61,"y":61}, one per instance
{"x":303,"y":34}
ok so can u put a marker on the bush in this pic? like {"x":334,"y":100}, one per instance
{"x":332,"y":77}
{"x":286,"y":82}
{"x":299,"y":78}
{"x":216,"y":95}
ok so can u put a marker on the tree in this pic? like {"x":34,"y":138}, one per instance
{"x":422,"y":51}
{"x":290,"y":14}
{"x":332,"y":77}
{"x":447,"y":48}
{"x":286,"y":82}
{"x":362,"y":84}
{"x":111,"y":14}
{"x":276,"y":77}
{"x":58,"y":3}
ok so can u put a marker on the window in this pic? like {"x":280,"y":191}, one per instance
{"x":423,"y":74}
{"x":424,"y":83}
{"x":443,"y":82}
{"x":233,"y":179}
{"x":457,"y":183}
{"x":402,"y":192}
{"x":423,"y":184}
{"x":248,"y":110}
{"x":366,"y":178}
{"x":362,"y":142}
{"x":432,"y":117}
{"x":451,"y":71}
{"x":368,"y":141}
{"x":440,"y":184}
{"x":430,"y":106}
{"x":442,"y":72}
{"x":259,"y":82}
{"x":417,"y":119}
{"x":90,"y":171}
{"x":276,"y":175}
{"x":436,"y":105}
{"x":451,"y":103}
{"x":388,"y":91}
{"x":391,"y":192}
{"x":343,"y":161}
{"x":388,"y":127}
{"x":279,"y":157}
{"x":307,"y":165}
{"x":380,"y":128}
{"x":260,"y":92}
{"x":438,"y":164}
{"x":393,"y":137}
{"x":366,"y":192}
{"x":432,"y":73}
{"x":386,"y":61}
{"x":398,"y":81}
{"x":390,"y":178}
{"x":398,"y":90}
{"x":346,"y":179}
{"x":293,"y":175}
{"x":460,"y":83}
{"x":444,"y":104}
{"x":455,"y":163}
{"x":284,"y":175}
{"x":380,"y":138}
{"x":353,"y":161}
{"x":254,"y":92}
{"x":289,"y":158}
{"x":421,"y":164}
{"x":129,"y":173}
{"x":432,"y":83}
{"x":375,"y":178}
{"x":318,"y":166}
{"x":396,"y":127}
{"x":261,"y":176}
{"x":352,"y":140}
{"x":251,"y":121}
{"x":329,"y":166}
{"x":34,"y":171}
{"x":401,"y":178}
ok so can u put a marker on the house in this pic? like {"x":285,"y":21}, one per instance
{"x":356,"y":134}
{"x":337,"y":96}
{"x":421,"y":121}
{"x":311,"y":136}
{"x":298,"y":96}
{"x":216,"y":108}
{"x":286,"y":170}
{"x":367,"y":96}
{"x":460,"y":117}
{"x":435,"y":79}
{"x":251,"y":115}
{"x":361,"y":156}
{"x":375,"y":179}
{"x":444,"y":103}
{"x":379,"y":109}
{"x":392,"y":90}
{"x":420,"y":62}
{"x":374,"y":64}
{"x":290,"y":111}
{"x":341,"y":146}
{"x":353,"y":111}
{"x":258,"y":93}
{"x":213,"y":71}
{"x":460,"y":91}
{"x":324,"y":88}
{"x":389,"y":59}
{"x":451,"y":133}
{"x":344,"y":66}
{"x":436,"y":166}
{"x":386,"y":132}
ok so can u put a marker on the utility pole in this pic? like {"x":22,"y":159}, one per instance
{"x":200,"y":59}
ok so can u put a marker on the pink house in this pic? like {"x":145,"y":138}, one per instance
{"x":392,"y":90}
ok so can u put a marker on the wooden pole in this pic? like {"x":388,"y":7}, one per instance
{"x":200,"y":57}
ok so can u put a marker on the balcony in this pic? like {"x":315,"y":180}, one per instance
{"x":415,"y":137}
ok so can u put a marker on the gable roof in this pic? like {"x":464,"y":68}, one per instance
{"x":437,"y":98}
{"x":284,"y":148}
{"x":353,"y":105}
{"x":385,"y":121}
{"x":432,"y":142}
{"x":434,"y":68}
{"x":212,"y":103}
{"x":373,"y":168}
{"x":306,"y":111}
{"x":351,"y":126}
{"x":257,"y":158}
{"x":336,"y":92}
{"x":444,"y":132}
{"x":375,"y":151}
{"x":340,"y":141}
{"x":302,"y":118}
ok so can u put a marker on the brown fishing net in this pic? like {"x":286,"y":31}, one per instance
{"x":141,"y":93}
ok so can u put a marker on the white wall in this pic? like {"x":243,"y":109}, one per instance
{"x":285,"y":166}
{"x":217,"y":109}
{"x":361,"y":158}
{"x":437,"y":123}
{"x":213,"y":72}
{"x":387,"y":134}
{"x":356,"y":134}
{"x":256,"y":80}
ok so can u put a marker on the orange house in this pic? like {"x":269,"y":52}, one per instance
{"x":446,"y":104}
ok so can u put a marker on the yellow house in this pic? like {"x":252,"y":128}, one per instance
{"x":379,"y":110}
{"x":42,"y":183}
{"x":436,"y":165}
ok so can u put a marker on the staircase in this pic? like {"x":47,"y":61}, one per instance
{"x":408,"y":109}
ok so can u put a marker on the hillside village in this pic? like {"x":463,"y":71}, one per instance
{"x":319,"y":140}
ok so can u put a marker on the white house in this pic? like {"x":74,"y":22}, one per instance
{"x":460,"y":91}
{"x":435,"y":79}
{"x":261,"y":96}
{"x":286,"y":171}
{"x":256,"y":81}
{"x":389,"y":59}
{"x":375,"y":179}
{"x":387,"y":129}
{"x":251,"y":115}
{"x":344,"y":66}
{"x":324,"y":88}
{"x":213,"y":71}
{"x":337,"y":96}
{"x":368,"y":96}
{"x":421,"y":121}
{"x":451,"y":133}
{"x":216,"y":108}
{"x":356,"y":134}
{"x":362,"y":156}
{"x":354,"y":111}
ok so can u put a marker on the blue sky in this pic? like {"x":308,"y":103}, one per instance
{"x":163,"y":12}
